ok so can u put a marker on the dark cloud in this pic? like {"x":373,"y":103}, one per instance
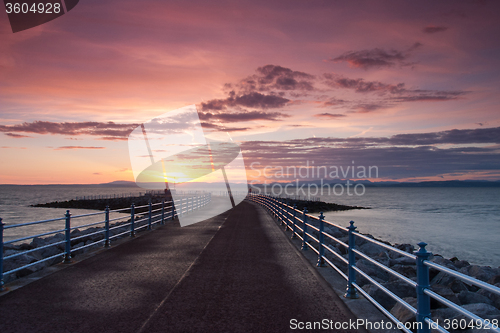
{"x":274,"y":78}
{"x":230,"y":117}
{"x":77,"y":147}
{"x":253,"y":100}
{"x":106,"y":130}
{"x":329,"y":115}
{"x":362,"y":86}
{"x":398,"y":92}
{"x":376,"y":58}
{"x":222,"y":128}
{"x":17,"y":136}
{"x":399,"y":156}
{"x":433,"y":29}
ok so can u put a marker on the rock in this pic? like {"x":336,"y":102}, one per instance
{"x":402,"y":313}
{"x":482,"y":310}
{"x":483,"y":273}
{"x":402,"y":261}
{"x":38,"y":242}
{"x":408,"y":271}
{"x":494,"y":280}
{"x":453,"y":283}
{"x":372,"y":270}
{"x":495,"y":298}
{"x":371,"y":249}
{"x":467,"y":297}
{"x":445,"y":292}
{"x":399,"y":288}
{"x":441,"y":314}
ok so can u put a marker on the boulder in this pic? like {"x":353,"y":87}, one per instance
{"x":408,"y":271}
{"x":402,"y":313}
{"x":445,"y":292}
{"x":447,"y":280}
{"x":483,"y":273}
{"x":371,"y":249}
{"x":495,"y":298}
{"x":482,"y":310}
{"x":468,"y":297}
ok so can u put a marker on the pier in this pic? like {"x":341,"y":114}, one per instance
{"x":263,"y":266}
{"x":236,"y":272}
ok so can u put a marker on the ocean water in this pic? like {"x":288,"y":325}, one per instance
{"x":461,"y":222}
{"x":15,"y":207}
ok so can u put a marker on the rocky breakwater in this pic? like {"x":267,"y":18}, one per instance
{"x":100,"y":204}
{"x":319,"y":206}
{"x":478,"y":301}
{"x":95,"y":234}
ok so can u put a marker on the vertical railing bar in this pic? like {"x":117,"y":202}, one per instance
{"x":132,"y":220}
{"x":1,"y":255}
{"x":304,"y":238}
{"x":163,"y":211}
{"x":351,"y":290}
{"x":321,"y":261}
{"x":106,"y":227}
{"x":423,"y":300}
{"x":150,"y":213}
{"x":67,"y":232}
{"x":294,"y":222}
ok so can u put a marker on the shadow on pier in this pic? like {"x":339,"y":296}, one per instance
{"x":236,"y":272}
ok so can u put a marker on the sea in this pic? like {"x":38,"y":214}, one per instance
{"x":462,"y":222}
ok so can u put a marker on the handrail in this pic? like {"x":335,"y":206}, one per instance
{"x":137,"y":221}
{"x":292,"y":218}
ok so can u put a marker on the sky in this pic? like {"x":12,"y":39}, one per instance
{"x":412,"y":88}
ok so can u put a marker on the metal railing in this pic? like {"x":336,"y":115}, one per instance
{"x":297,"y":222}
{"x":156,"y":213}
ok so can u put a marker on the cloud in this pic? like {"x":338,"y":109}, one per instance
{"x":362,"y":86}
{"x":107,"y":130}
{"x":97,"y":173}
{"x":250,"y":100}
{"x":397,"y":92}
{"x":329,"y":115}
{"x":398,"y":156}
{"x":274,"y":78}
{"x":17,"y":136}
{"x":7,"y":147}
{"x":77,"y":147}
{"x":222,"y":128}
{"x":376,"y":58}
{"x":431,"y":29}
{"x":230,"y":117}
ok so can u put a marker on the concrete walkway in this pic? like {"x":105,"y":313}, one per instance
{"x":232,"y":273}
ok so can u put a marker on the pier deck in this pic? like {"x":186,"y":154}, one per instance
{"x":236,"y":272}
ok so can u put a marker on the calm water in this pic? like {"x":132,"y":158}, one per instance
{"x":462,"y":222}
{"x":15,"y":201}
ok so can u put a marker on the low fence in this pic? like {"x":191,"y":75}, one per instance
{"x":297,"y":222}
{"x":154,"y":214}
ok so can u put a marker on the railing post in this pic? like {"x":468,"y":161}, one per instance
{"x":1,"y":255}
{"x":280,"y":211}
{"x":172,"y":209}
{"x":132,"y":220}
{"x":294,"y":222}
{"x":286,"y":214}
{"x":150,"y":214}
{"x":304,"y":236}
{"x":106,"y":227}
{"x":321,"y":261}
{"x":67,"y":231}
{"x":162,"y":212}
{"x":351,"y":291}
{"x":423,"y":300}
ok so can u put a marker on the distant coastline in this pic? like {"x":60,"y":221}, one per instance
{"x":367,"y":183}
